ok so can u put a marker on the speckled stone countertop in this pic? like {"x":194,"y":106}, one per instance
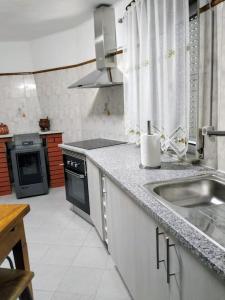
{"x":121,"y":164}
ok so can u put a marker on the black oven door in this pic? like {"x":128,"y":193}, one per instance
{"x":77,"y":190}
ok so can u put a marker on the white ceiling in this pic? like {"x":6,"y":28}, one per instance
{"x":29,"y":19}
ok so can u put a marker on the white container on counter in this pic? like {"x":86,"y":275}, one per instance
{"x":150,"y":150}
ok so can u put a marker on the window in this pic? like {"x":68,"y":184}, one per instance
{"x":194,"y":78}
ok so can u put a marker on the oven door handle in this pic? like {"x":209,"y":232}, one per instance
{"x":74,"y":174}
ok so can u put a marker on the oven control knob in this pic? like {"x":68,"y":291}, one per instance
{"x":74,"y":164}
{"x":68,"y":162}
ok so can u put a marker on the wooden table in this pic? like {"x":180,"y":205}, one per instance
{"x":12,"y":235}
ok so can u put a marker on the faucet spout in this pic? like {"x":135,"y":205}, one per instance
{"x":209,"y":130}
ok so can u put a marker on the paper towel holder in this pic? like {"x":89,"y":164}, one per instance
{"x":149,"y":133}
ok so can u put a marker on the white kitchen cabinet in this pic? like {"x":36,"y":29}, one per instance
{"x":132,"y":244}
{"x":121,"y":227}
{"x":95,"y":196}
{"x":198,"y":282}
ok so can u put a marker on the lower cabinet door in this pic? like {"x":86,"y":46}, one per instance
{"x":121,"y":230}
{"x":173,"y":268}
{"x":132,"y":244}
{"x":199,"y":283}
{"x":150,"y":275}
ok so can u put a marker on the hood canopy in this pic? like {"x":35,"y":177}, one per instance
{"x":107,"y":74}
{"x":99,"y":79}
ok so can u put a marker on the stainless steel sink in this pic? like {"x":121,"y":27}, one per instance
{"x":192,"y":192}
{"x":199,"y":199}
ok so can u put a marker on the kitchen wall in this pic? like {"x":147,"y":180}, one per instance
{"x":15,"y":57}
{"x":74,"y":45}
{"x":64,"y":48}
{"x":19,"y":104}
{"x":214,"y":146}
{"x":220,"y":81}
{"x":210,"y":143}
{"x":80,"y":113}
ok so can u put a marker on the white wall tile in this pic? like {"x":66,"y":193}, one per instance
{"x":19,"y":104}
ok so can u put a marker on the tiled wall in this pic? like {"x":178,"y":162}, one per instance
{"x":19,"y":104}
{"x":220,"y":25}
{"x":81,"y":113}
{"x":210,"y":147}
{"x":214,"y":146}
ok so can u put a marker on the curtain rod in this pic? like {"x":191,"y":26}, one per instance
{"x":121,"y":19}
{"x":133,"y":1}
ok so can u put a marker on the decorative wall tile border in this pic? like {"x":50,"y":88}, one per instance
{"x":58,"y":68}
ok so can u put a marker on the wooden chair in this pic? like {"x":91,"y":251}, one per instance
{"x":14,"y":284}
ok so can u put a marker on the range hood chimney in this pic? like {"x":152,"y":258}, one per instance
{"x":107,"y":74}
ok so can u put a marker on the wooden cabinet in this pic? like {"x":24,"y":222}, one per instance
{"x":95,"y":196}
{"x":133,"y":244}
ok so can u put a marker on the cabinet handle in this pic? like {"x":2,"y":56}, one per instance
{"x":157,"y":233}
{"x":168,"y":246}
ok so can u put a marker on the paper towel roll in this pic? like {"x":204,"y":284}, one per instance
{"x":150,"y":150}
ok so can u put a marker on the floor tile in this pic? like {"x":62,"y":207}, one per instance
{"x":91,"y":257}
{"x":111,"y":286}
{"x":42,"y":295}
{"x":93,"y":239}
{"x":60,"y":255}
{"x":111,"y":298}
{"x":66,"y":253}
{"x":84,"y":281}
{"x":40,"y":235}
{"x":110,"y":263}
{"x":73,"y":237}
{"x":70,"y":296}
{"x":77,"y":222}
{"x":48,"y":277}
{"x":37,"y":251}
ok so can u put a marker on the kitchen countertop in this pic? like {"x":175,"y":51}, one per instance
{"x":121,"y":164}
{"x":49,"y":132}
{"x":6,"y":136}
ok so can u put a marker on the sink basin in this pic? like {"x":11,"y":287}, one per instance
{"x":199,"y":199}
{"x":191,"y":192}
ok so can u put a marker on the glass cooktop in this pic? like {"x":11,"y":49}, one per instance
{"x":95,"y":143}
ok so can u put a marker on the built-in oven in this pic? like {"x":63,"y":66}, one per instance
{"x":76,"y":183}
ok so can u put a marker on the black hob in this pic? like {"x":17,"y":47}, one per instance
{"x":95,"y":143}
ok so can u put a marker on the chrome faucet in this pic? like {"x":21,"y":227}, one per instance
{"x":210,"y":131}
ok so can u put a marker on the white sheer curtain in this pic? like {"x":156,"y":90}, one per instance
{"x":156,"y":77}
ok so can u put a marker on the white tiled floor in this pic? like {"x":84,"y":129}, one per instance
{"x":66,"y":254}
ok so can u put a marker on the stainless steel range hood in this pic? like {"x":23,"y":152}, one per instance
{"x":107,"y":74}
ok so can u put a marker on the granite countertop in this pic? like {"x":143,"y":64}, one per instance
{"x":121,"y":164}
